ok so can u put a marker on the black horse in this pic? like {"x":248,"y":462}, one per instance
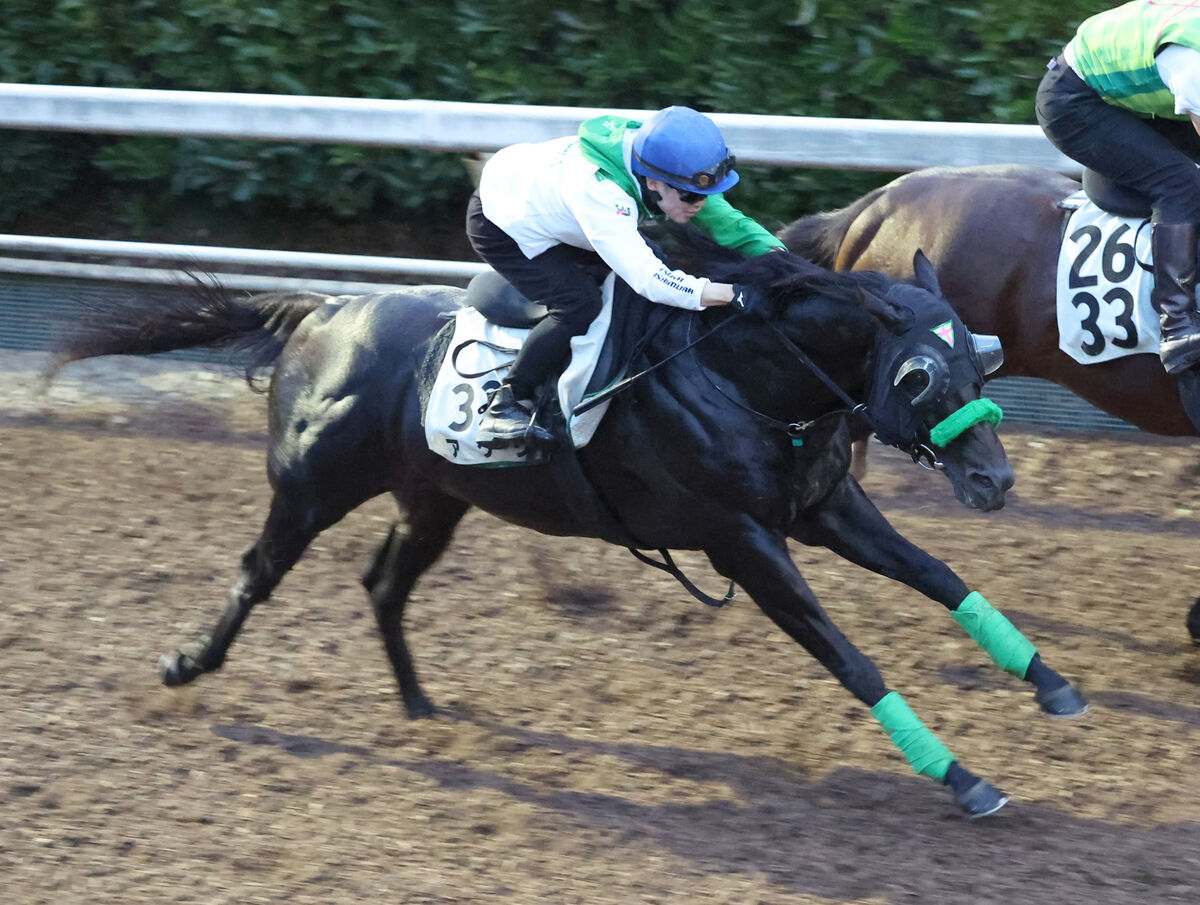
{"x":731,"y":448}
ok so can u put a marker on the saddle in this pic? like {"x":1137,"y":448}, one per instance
{"x":500,"y":303}
{"x":611,"y":346}
{"x":1113,"y":197}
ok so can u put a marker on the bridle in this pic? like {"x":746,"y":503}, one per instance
{"x":961,"y":420}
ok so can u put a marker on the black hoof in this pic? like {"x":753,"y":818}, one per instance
{"x":178,"y":669}
{"x":980,"y":800}
{"x":1064,"y":701}
{"x":420,"y":708}
{"x":1193,"y":622}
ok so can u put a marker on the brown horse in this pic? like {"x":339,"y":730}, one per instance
{"x":993,"y":234}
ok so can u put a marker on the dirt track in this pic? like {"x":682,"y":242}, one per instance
{"x":608,"y":739}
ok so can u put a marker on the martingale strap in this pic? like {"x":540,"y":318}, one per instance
{"x":668,"y":566}
{"x":974,"y":412}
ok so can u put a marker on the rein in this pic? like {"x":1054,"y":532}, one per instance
{"x":942,"y":433}
{"x":794,"y":429}
{"x":946,"y":430}
{"x":621,"y":385}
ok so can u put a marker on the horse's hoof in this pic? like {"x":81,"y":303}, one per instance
{"x":1064,"y":701}
{"x":980,"y":800}
{"x":177,"y":669}
{"x":420,"y":708}
{"x":1193,"y":622}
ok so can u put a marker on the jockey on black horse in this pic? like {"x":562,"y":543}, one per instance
{"x":1123,"y":99}
{"x":555,"y":217}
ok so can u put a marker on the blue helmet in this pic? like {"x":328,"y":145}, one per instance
{"x":684,"y":149}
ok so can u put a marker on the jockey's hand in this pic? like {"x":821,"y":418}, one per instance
{"x":743,"y":297}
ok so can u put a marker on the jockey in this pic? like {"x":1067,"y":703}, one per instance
{"x":552,"y":217}
{"x":1123,"y":99}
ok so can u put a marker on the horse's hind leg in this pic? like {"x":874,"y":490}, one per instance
{"x":398,"y":564}
{"x":285,"y":536}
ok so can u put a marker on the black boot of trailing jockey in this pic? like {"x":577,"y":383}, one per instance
{"x":1174,"y":295}
{"x":508,"y":421}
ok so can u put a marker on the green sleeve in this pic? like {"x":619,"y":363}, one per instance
{"x":733,"y":229}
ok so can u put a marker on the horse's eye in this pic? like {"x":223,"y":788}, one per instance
{"x":915,"y":378}
{"x":914,"y":383}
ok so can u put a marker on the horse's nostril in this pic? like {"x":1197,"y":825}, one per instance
{"x":1000,"y":483}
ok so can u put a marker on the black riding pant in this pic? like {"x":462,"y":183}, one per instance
{"x":565,"y":279}
{"x":1156,"y":157}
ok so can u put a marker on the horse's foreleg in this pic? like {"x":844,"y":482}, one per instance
{"x":284,"y":538}
{"x":397,"y":566}
{"x":849,"y":524}
{"x":764,"y":569}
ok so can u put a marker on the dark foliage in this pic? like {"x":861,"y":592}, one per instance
{"x":905,"y":59}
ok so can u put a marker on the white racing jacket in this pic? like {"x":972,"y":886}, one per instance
{"x":548,"y":193}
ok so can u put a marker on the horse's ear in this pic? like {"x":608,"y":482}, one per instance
{"x":896,"y":318}
{"x":925,"y":274}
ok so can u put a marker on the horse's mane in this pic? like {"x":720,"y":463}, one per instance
{"x":689,"y":249}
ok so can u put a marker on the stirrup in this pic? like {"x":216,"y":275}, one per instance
{"x":533,"y":435}
{"x":510,"y":424}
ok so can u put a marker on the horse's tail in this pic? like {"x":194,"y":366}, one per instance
{"x":252,"y":329}
{"x":819,"y":237}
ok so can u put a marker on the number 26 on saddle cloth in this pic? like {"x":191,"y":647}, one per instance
{"x":1104,"y":284}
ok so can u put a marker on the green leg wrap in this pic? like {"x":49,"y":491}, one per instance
{"x":992,"y":631}
{"x":928,"y":756}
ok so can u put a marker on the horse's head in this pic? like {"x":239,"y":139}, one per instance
{"x":925,"y":389}
{"x":926,"y":369}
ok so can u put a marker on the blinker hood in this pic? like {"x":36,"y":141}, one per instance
{"x":902,"y":407}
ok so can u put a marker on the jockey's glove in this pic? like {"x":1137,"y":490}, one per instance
{"x":743,"y":297}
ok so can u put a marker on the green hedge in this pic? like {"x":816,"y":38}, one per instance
{"x":893,"y":59}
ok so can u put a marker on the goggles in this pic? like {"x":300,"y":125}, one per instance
{"x":689,"y":197}
{"x":701,"y":179}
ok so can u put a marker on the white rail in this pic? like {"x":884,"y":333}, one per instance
{"x":207,"y":255}
{"x":800,"y":141}
{"x":819,"y":142}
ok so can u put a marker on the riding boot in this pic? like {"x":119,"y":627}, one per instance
{"x":508,"y":421}
{"x":1173,"y":246}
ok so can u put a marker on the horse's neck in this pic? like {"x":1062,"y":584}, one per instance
{"x":772,"y":377}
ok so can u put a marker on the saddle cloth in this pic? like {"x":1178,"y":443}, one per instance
{"x":1104,"y":283}
{"x":477,"y":359}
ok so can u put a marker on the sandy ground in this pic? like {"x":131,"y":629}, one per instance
{"x":606,"y":739}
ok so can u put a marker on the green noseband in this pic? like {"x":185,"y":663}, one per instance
{"x":974,"y":412}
